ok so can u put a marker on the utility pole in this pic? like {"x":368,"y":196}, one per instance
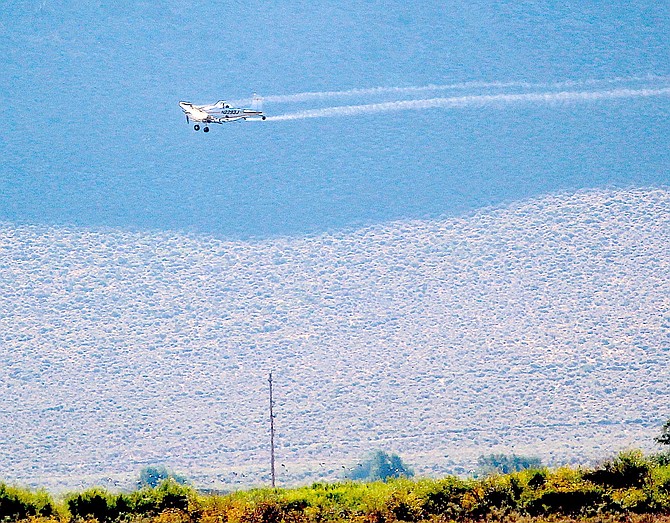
{"x":272,"y":436}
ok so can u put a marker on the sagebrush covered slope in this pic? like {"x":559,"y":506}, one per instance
{"x":541,"y":328}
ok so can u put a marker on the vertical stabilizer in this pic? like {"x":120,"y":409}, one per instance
{"x":256,"y":103}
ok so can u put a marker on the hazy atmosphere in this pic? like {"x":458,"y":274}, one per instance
{"x":449,"y":237}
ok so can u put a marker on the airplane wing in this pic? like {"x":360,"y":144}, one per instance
{"x":194,"y":113}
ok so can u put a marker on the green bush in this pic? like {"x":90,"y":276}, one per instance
{"x":403,"y":502}
{"x":105,"y":507}
{"x":18,"y":504}
{"x":494,"y":495}
{"x":632,"y":500}
{"x":168,"y":495}
{"x":97,"y":504}
{"x":537,"y":480}
{"x":628,"y":469}
{"x":445,"y":498}
{"x":570,"y":503}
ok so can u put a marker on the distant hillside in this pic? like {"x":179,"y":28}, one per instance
{"x":541,"y":328}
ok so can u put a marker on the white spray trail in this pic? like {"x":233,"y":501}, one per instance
{"x":474,"y":101}
{"x":372,"y":91}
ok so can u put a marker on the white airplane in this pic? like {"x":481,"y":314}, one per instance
{"x":220,"y":112}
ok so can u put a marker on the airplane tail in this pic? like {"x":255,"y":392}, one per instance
{"x":256,"y":103}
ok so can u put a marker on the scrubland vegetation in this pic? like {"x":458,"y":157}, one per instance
{"x":630,"y":487}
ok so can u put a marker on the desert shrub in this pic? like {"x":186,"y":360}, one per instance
{"x":628,"y":469}
{"x":18,"y":504}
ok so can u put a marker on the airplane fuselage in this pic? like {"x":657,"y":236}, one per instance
{"x":224,"y":115}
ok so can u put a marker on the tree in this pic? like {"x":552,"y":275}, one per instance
{"x":381,"y":466}
{"x":504,"y":464}
{"x":153,"y":476}
{"x":664,"y":437}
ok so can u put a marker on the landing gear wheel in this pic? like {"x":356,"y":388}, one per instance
{"x":263,"y":117}
{"x":206,"y":130}
{"x":196,"y":127}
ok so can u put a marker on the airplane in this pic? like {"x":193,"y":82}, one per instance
{"x":220,"y":112}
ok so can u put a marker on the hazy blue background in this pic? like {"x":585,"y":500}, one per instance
{"x":92,"y":135}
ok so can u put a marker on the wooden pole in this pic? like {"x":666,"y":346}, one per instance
{"x":272,"y":437}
